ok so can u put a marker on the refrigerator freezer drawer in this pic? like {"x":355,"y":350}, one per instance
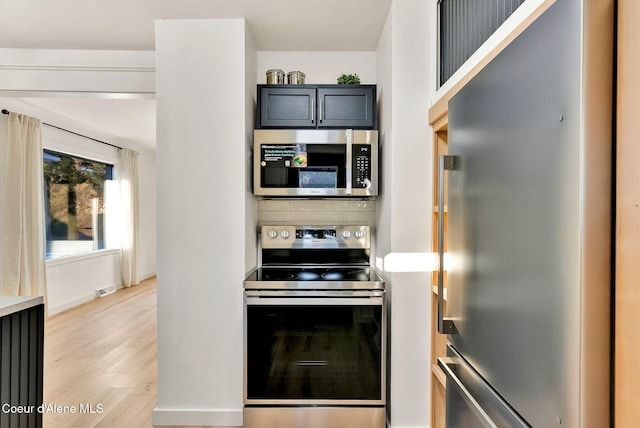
{"x":471,"y":402}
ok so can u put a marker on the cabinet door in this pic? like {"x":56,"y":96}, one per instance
{"x":287,"y":107}
{"x":347,"y":107}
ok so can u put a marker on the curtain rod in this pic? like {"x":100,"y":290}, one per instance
{"x":5,"y":111}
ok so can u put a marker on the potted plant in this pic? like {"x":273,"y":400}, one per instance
{"x":349,"y":79}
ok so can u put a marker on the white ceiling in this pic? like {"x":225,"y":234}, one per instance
{"x":276,"y":25}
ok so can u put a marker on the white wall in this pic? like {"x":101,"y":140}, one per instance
{"x":319,"y":67}
{"x":385,"y":98}
{"x":74,"y":280}
{"x":251,"y":202}
{"x":202,"y":210}
{"x":406,"y":82}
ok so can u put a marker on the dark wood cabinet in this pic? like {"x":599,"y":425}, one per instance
{"x":316,"y":106}
{"x":21,"y":361}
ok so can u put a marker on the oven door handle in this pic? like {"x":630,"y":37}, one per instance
{"x":306,"y":298}
{"x":314,"y":301}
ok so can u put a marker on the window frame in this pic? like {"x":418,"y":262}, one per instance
{"x":71,"y":144}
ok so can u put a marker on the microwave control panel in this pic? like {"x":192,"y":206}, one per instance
{"x":361,"y":166}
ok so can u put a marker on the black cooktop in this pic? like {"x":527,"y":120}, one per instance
{"x":315,"y":274}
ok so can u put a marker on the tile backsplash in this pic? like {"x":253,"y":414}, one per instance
{"x":316,"y":212}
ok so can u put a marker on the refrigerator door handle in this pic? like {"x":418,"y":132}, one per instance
{"x":445,"y":364}
{"x":445,"y":163}
{"x":488,"y":407}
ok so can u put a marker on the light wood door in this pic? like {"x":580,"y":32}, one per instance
{"x":438,"y":341}
{"x":627,"y":270}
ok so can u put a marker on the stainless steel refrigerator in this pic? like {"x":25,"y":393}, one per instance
{"x":529,"y":235}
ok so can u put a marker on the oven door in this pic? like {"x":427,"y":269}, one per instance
{"x":314,"y":347}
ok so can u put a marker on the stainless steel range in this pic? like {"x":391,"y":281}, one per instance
{"x":315,"y":331}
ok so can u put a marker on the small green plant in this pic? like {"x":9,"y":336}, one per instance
{"x":349,"y":79}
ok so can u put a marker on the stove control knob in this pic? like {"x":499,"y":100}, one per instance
{"x":358,"y":234}
{"x":284,"y":234}
{"x":346,"y":234}
{"x":272,"y":233}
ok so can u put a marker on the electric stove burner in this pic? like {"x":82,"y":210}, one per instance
{"x":307,"y":276}
{"x":332,"y":276}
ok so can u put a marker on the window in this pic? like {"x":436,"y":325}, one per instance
{"x":74,"y":193}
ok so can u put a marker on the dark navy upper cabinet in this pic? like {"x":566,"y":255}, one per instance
{"x":347,"y":107}
{"x":286,"y":107}
{"x":316,"y":106}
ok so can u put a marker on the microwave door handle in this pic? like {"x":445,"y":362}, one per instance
{"x":348,"y":161}
{"x":445,"y":163}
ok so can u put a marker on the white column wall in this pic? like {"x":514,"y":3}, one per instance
{"x":406,"y":82}
{"x":202,"y":210}
{"x":251,"y":202}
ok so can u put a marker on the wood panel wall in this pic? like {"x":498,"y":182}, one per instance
{"x":627,"y":295}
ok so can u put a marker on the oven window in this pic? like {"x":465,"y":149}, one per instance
{"x":314,"y":352}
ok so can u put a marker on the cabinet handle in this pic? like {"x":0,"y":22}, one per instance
{"x":320,"y":110}
{"x":445,"y":163}
{"x":313,"y":110}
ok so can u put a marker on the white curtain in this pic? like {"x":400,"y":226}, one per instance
{"x":128,"y":180}
{"x":24,"y":238}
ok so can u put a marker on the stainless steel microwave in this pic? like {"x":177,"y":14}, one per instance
{"x":315,"y":162}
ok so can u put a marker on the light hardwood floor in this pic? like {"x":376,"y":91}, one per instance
{"x":103,"y":354}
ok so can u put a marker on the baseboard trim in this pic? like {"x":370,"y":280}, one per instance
{"x":224,"y":418}
{"x":53,"y":310}
{"x":146,"y":276}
